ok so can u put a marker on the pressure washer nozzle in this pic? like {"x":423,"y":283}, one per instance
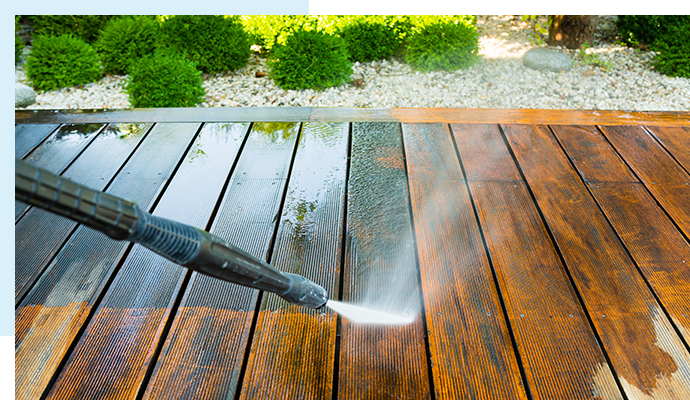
{"x":305,"y":293}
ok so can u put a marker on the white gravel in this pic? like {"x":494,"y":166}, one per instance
{"x":498,"y":81}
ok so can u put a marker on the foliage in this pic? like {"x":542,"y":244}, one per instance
{"x":213,"y":42}
{"x":164,"y":80}
{"x":367,"y":41}
{"x":268,"y":31}
{"x":124,"y":40}
{"x":538,"y":32}
{"x":84,"y":26}
{"x":446,"y":46}
{"x":61,"y":61}
{"x":674,"y":52}
{"x":591,"y":59}
{"x":310,"y":59}
{"x":18,"y":42}
{"x":641,"y":30}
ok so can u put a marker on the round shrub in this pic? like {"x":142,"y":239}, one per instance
{"x":637,"y":30}
{"x":164,"y":80}
{"x":18,"y":42}
{"x":61,"y":61}
{"x":213,"y":42}
{"x":84,"y":26}
{"x":310,"y":60}
{"x":368,"y":41}
{"x":124,"y":40}
{"x":674,"y":52}
{"x":443,"y":46}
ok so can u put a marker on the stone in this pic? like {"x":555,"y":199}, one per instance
{"x":24,"y":96}
{"x":546,"y":59}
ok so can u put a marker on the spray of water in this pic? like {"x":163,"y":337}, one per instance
{"x":363,"y":315}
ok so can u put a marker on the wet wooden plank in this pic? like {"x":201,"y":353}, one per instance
{"x":40,"y":234}
{"x":344,"y":114}
{"x":28,"y":136}
{"x":658,"y":248}
{"x":558,"y":348}
{"x":293,"y":348}
{"x":49,"y":318}
{"x":471,"y":351}
{"x":676,"y":140}
{"x":647,"y":355}
{"x":203,"y":353}
{"x":660,"y":173}
{"x":380,"y":272}
{"x":58,"y":151}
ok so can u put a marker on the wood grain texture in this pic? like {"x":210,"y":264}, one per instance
{"x":378,"y":362}
{"x":676,"y":140}
{"x":293,"y":349}
{"x":558,"y":348}
{"x":658,"y":248}
{"x":660,"y":173}
{"x":137,"y":305}
{"x":645,"y":352}
{"x":28,"y":136}
{"x":471,"y":350}
{"x":40,"y":234}
{"x":203,"y":354}
{"x":67,"y":291}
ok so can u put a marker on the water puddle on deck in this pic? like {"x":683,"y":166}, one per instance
{"x":362,"y":315}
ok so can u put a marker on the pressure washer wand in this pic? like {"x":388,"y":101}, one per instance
{"x":183,"y":244}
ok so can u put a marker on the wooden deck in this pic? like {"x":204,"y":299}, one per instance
{"x":545,"y":253}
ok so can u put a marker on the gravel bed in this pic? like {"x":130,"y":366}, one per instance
{"x":499,"y":80}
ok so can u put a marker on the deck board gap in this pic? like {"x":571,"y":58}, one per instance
{"x":566,"y":268}
{"x":666,"y":149}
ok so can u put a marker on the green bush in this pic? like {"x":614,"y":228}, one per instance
{"x":637,"y":30}
{"x":268,"y":31}
{"x":674,"y":52}
{"x":124,"y":40}
{"x":164,"y":80}
{"x":446,"y":46}
{"x":84,"y":26}
{"x":310,"y":60}
{"x":18,"y":43}
{"x":367,"y":41}
{"x":213,"y":42}
{"x":61,"y":61}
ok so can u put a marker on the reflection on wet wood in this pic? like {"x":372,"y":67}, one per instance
{"x":645,"y":351}
{"x":223,"y":312}
{"x":661,"y":174}
{"x":380,"y":271}
{"x":27,"y":137}
{"x":658,"y":248}
{"x":541,"y":304}
{"x":293,"y":348}
{"x":676,"y":139}
{"x":471,"y":351}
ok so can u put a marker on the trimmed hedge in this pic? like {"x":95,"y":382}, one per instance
{"x":84,"y":26}
{"x":443,"y":46}
{"x":124,"y":40}
{"x":368,"y":41}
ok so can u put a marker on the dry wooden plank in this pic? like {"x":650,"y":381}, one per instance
{"x":471,"y":350}
{"x":647,"y":355}
{"x":58,"y":151}
{"x":299,"y":342}
{"x":676,"y":140}
{"x":28,"y":136}
{"x":558,"y":348}
{"x":379,"y":362}
{"x":658,"y":248}
{"x":204,"y":351}
{"x":39,"y":235}
{"x":50,"y":317}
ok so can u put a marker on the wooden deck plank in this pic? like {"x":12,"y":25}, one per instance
{"x":658,"y":248}
{"x":58,"y":151}
{"x":293,"y":348}
{"x":340,"y":114}
{"x":51,"y":315}
{"x":28,"y":136}
{"x":660,"y":173}
{"x":41,"y":234}
{"x":471,"y":350}
{"x":559,"y":350}
{"x":645,"y":352}
{"x":127,"y":324}
{"x":676,"y":140}
{"x":203,"y":353}
{"x":378,"y":362}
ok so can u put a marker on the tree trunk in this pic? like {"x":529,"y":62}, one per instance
{"x":572,"y":31}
